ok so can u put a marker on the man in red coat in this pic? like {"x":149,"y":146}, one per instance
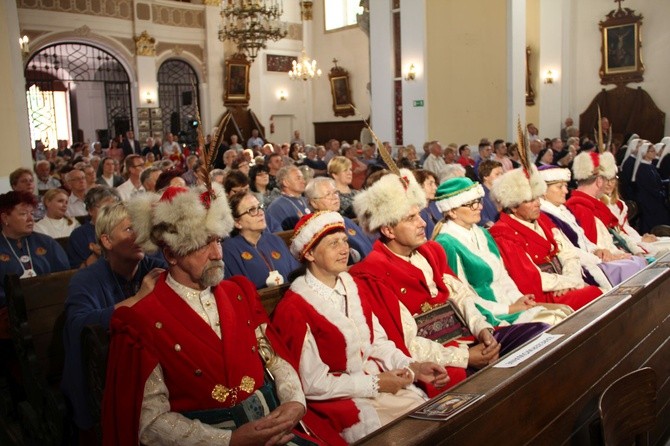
{"x":185,"y":363}
{"x":417,"y":296}
{"x":536,"y":254}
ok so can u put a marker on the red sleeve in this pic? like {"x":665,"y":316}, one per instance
{"x":520,"y":268}
{"x":287,"y":330}
{"x":130,"y":362}
{"x":585,"y":219}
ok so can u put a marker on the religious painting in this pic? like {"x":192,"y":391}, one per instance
{"x":621,"y":42}
{"x":278,"y":63}
{"x":237,"y":80}
{"x":142,"y":113}
{"x":156,"y":113}
{"x":341,"y":92}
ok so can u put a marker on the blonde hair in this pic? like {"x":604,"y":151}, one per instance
{"x":109,"y":217}
{"x":51,"y":194}
{"x":338,"y":165}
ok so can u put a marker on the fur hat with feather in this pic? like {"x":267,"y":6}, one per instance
{"x":181,"y":219}
{"x":514,"y":187}
{"x":389,"y":200}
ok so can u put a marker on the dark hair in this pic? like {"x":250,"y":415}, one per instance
{"x":97,"y":194}
{"x":462,"y":148}
{"x":422,"y":175}
{"x":497,"y":143}
{"x":540,"y":154}
{"x":11,"y":199}
{"x":235,"y":200}
{"x":164,"y":178}
{"x":253,"y":173}
{"x":18,"y":173}
{"x":235,"y":178}
{"x":486,"y":167}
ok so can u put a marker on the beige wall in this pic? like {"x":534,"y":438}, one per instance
{"x":533,"y":41}
{"x":350,"y":47}
{"x":466,"y":65}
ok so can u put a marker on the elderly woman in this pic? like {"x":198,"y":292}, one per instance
{"x":322,"y":195}
{"x":22,"y":251}
{"x":355,"y":379}
{"x":358,"y":168}
{"x":340,"y":170}
{"x":253,"y":251}
{"x":430,"y":214}
{"x":83,"y":249}
{"x":56,"y":224}
{"x":121,"y":277}
{"x":474,"y":257}
{"x":22,"y":180}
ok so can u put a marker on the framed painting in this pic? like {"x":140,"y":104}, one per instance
{"x":620,"y":47}
{"x":279,"y":63}
{"x":237,"y":80}
{"x":341,"y":92}
{"x":142,"y":113}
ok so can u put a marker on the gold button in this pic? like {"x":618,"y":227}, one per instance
{"x":253,"y":349}
{"x":403,"y":290}
{"x":159,"y":325}
{"x":177,"y":347}
{"x":218,"y":323}
{"x":248,"y":322}
{"x":208,"y":303}
{"x":198,"y":372}
{"x":239,"y":297}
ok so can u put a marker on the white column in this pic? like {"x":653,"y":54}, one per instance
{"x":413,"y":44}
{"x":551,"y":59}
{"x":211,"y":87}
{"x":516,"y":63}
{"x":16,"y":147}
{"x":381,"y":69}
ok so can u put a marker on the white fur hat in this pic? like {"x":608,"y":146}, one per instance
{"x":514,"y":187}
{"x":181,"y":219}
{"x":389,"y":200}
{"x":554,"y":174}
{"x":588,"y":164}
{"x":313,"y":227}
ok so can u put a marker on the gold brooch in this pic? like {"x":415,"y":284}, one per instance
{"x":426,"y":307}
{"x":351,"y":231}
{"x":276,"y":255}
{"x":40,"y":251}
{"x":221,"y":393}
{"x":4,"y":258}
{"x":246,"y":255}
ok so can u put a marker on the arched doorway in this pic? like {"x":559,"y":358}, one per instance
{"x":178,"y":98}
{"x":77,"y":92}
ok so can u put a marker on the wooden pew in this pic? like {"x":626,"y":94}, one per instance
{"x":270,"y":296}
{"x":37,"y":318}
{"x":552,"y":397}
{"x":286,"y":236}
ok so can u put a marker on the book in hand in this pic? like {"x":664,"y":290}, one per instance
{"x":445,"y":406}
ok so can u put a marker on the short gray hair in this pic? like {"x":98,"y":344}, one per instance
{"x":97,"y":195}
{"x":146,"y":173}
{"x":283,"y":173}
{"x":312,"y":187}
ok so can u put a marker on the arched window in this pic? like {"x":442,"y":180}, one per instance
{"x":178,"y":97}
{"x":76,"y":92}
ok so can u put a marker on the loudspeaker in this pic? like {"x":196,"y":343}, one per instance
{"x":186,"y":97}
{"x":103,"y":137}
{"x":174,"y":123}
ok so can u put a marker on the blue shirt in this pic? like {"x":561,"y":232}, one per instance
{"x":78,"y":248}
{"x":255,"y":263}
{"x":490,"y":213}
{"x":431,"y":215}
{"x":286,"y":211}
{"x":42,"y":253}
{"x":92,"y":294}
{"x":358,"y":241}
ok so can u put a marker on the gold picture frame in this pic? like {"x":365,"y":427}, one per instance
{"x":620,"y":47}
{"x":340,"y":89}
{"x":237,"y":80}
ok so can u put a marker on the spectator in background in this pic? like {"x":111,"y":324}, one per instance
{"x":76,"y":182}
{"x":107,"y":173}
{"x":430,"y":214}
{"x":22,"y":180}
{"x":500,"y":155}
{"x":45,"y":180}
{"x":485,"y":150}
{"x":311,"y":160}
{"x":235,"y":182}
{"x":290,"y":206}
{"x":340,"y":170}
{"x":134,"y":167}
{"x":259,"y":178}
{"x":130,"y":145}
{"x":435,"y":160}
{"x":488,"y":171}
{"x":564,"y":130}
{"x":170,"y":146}
{"x":332,"y":150}
{"x":234,"y":144}
{"x":149,"y":177}
{"x":255,"y":140}
{"x":56,"y":223}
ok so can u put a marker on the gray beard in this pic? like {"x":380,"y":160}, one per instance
{"x":212,"y":274}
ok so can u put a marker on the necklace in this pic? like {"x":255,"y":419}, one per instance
{"x":24,"y":259}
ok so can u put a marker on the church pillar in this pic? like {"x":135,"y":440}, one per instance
{"x":16,"y":148}
{"x":516,"y":67}
{"x":381,"y":69}
{"x":414,"y":92}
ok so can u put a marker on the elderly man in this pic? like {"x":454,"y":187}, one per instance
{"x":536,"y":254}
{"x":134,"y":168}
{"x":149,"y":177}
{"x":255,"y":140}
{"x":194,"y":351}
{"x":332,"y":150}
{"x":322,"y":195}
{"x":592,"y":171}
{"x":45,"y":180}
{"x":290,"y":206}
{"x":416,"y":290}
{"x":76,"y":182}
{"x":319,"y":167}
{"x":435,"y":159}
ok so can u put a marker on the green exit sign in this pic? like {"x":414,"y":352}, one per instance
{"x":418,"y":103}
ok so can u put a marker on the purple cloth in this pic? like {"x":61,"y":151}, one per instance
{"x":619,"y":270}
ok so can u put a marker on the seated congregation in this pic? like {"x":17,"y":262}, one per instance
{"x":379,"y":315}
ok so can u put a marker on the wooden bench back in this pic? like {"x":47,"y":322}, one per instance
{"x":285,"y":236}
{"x":36,"y":307}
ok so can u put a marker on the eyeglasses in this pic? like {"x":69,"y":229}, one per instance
{"x":254,"y":211}
{"x":138,"y":165}
{"x":474,"y":204}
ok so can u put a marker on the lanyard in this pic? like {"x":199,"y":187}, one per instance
{"x":26,"y":259}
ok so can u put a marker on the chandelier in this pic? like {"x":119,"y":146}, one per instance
{"x":251,"y":23}
{"x":305,"y":69}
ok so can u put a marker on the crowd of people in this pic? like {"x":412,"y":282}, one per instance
{"x":403,"y":279}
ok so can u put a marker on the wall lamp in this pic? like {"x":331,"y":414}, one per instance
{"x":149,"y":98}
{"x":549,"y":77}
{"x":411,"y":73}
